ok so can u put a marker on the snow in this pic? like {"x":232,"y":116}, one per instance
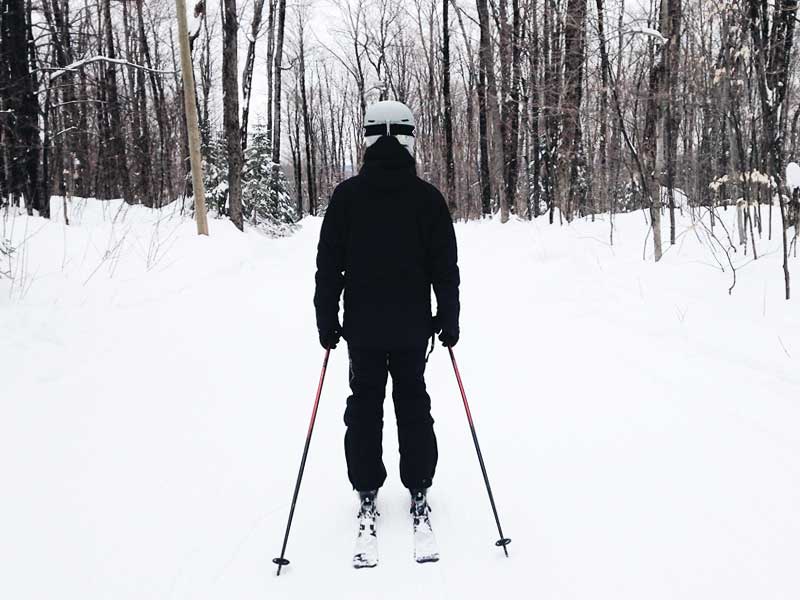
{"x":742,"y":53}
{"x":681,"y":200}
{"x":194,"y":17}
{"x":792,"y":176}
{"x":649,"y":31}
{"x":754,"y":177}
{"x":639,"y":425}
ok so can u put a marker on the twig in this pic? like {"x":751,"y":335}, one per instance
{"x":784,"y":347}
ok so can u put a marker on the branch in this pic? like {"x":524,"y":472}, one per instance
{"x":648,"y":31}
{"x":463,"y":12}
{"x":117,"y":61}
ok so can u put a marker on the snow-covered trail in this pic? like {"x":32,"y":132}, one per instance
{"x":639,"y":425}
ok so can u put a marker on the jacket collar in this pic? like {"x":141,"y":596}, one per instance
{"x":387,"y":163}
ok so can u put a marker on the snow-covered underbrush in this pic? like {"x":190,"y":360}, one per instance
{"x":6,"y":253}
{"x":639,"y":423}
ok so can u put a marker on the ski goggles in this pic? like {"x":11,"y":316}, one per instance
{"x":388,"y":129}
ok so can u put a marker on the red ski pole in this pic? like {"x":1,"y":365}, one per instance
{"x":281,"y":561}
{"x":503,"y":541}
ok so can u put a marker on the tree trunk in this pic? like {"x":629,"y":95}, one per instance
{"x":19,"y":98}
{"x":772,"y":58}
{"x":230,"y":101}
{"x":483,"y":109}
{"x":487,"y":66}
{"x":449,"y":161}
{"x":120,"y":180}
{"x":650,"y":152}
{"x":310,"y":149}
{"x":148,"y":196}
{"x":157,"y":91}
{"x":270,"y":60}
{"x":247,"y":75}
{"x":603,"y":142}
{"x":571,"y":177}
{"x":278,"y":76}
{"x":671,"y":28}
{"x":186,"y":170}
{"x":294,"y":150}
{"x":504,"y":34}
{"x":511,"y":73}
{"x":552,"y":91}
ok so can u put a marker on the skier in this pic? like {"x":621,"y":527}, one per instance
{"x":386,"y":239}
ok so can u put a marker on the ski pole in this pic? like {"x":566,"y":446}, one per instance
{"x":503,"y":541}
{"x":281,"y":561}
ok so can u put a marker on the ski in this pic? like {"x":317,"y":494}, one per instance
{"x":365,"y":554}
{"x":425,"y":547}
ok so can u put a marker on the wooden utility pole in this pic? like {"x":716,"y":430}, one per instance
{"x":192,"y":127}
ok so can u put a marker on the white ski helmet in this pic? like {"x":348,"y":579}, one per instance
{"x":389,"y":118}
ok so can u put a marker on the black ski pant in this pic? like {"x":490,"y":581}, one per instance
{"x":363,"y":442}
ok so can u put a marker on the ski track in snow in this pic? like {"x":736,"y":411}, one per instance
{"x":639,"y":425}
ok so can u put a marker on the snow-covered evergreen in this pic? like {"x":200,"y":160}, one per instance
{"x":266,"y":203}
{"x":215,"y":172}
{"x":265,"y":199}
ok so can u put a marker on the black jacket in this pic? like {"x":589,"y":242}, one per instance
{"x":387,"y":237}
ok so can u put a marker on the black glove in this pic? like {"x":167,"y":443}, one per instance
{"x":449,"y":331}
{"x":448,"y":338}
{"x":328,"y":338}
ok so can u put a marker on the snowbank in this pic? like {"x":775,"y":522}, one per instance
{"x":792,"y":176}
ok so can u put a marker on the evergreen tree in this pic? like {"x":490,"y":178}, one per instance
{"x":215,"y":173}
{"x":266,"y":204}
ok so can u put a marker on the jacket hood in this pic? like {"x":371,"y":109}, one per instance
{"x":387,"y":163}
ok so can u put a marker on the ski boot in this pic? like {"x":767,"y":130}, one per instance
{"x":366,"y":550}
{"x":425,"y":548}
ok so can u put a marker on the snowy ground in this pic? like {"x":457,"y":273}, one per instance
{"x":639,"y":425}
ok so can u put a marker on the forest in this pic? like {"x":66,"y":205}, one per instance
{"x":555,"y":109}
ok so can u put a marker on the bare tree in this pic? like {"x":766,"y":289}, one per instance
{"x":773,"y":52}
{"x":247,"y":74}
{"x":449,"y":160}
{"x":493,"y":107}
{"x":278,"y":77}
{"x":310,"y":146}
{"x":571,"y":158}
{"x":20,"y":106}
{"x":483,"y":109}
{"x":118,"y":163}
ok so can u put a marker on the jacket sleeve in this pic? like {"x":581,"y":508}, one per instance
{"x":330,"y":265}
{"x":444,"y":267}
